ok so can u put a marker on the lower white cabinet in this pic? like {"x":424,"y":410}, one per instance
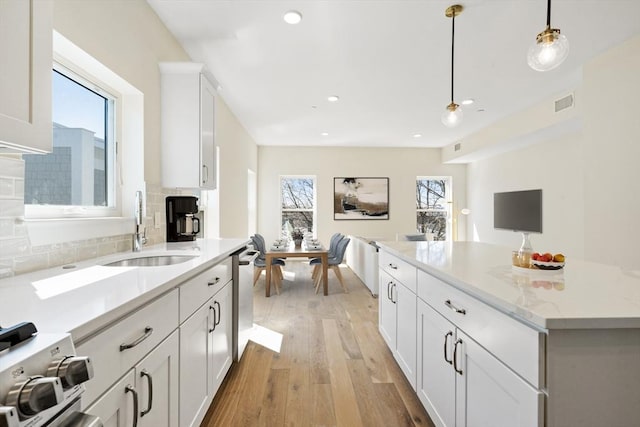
{"x":461,"y":384}
{"x":397,"y":317}
{"x":146,"y":396}
{"x":205,"y":355}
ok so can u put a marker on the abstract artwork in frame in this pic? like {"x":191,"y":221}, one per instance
{"x":360,"y":198}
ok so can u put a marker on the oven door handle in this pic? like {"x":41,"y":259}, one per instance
{"x":247,"y":257}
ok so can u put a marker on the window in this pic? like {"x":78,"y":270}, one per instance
{"x":77,"y":178}
{"x":298,"y":203}
{"x":433,"y":198}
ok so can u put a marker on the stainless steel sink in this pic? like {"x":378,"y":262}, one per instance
{"x":150,"y":261}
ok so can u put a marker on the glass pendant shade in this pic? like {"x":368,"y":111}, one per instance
{"x":452,"y":116}
{"x":550,"y":50}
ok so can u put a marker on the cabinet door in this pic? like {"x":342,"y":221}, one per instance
{"x":490,"y":394}
{"x":221,"y":351}
{"x":157,"y":379}
{"x":435,"y":374}
{"x":207,"y":141}
{"x":25,"y":75}
{"x":116,"y":407}
{"x":194,"y":366}
{"x":387,"y":310}
{"x":406,"y":338}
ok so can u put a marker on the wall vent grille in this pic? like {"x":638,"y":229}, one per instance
{"x":564,"y":103}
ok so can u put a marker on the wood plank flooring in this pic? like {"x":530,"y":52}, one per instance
{"x":333,"y":367}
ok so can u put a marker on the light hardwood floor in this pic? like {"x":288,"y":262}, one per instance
{"x":333,"y":367}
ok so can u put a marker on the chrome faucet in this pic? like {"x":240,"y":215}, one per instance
{"x":139,"y":238}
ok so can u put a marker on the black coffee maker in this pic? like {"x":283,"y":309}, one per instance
{"x":182,"y":224}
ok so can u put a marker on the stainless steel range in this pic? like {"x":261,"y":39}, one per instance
{"x":41,"y":382}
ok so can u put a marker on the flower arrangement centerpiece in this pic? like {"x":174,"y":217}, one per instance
{"x":297,"y":234}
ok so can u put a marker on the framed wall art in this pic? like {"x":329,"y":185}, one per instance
{"x":357,"y":198}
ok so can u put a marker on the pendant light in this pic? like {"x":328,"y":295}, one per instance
{"x":453,"y":114}
{"x":550,"y":49}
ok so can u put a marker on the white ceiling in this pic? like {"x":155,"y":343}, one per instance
{"x":387,"y":60}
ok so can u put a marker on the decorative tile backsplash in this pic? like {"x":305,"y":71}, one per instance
{"x":17,"y":255}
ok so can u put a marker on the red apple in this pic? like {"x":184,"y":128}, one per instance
{"x":535,"y":256}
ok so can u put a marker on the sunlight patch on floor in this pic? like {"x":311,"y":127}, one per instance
{"x":266,"y":338}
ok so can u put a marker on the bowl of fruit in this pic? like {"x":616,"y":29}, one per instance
{"x":546,"y":261}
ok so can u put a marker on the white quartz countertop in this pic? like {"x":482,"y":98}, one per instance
{"x":85,"y":299}
{"x":581,"y":295}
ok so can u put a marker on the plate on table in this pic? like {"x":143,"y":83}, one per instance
{"x":314,"y":246}
{"x":278,"y":247}
{"x":542,"y":265}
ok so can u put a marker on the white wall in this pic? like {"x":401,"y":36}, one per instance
{"x":590,"y":178}
{"x":401,"y":165}
{"x":556,"y":167}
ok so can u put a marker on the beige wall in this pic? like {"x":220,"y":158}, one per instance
{"x":401,"y":165}
{"x":590,"y":177}
{"x":129,"y":38}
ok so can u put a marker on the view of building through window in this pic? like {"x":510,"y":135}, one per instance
{"x":433,"y":206}
{"x":77,"y":172}
{"x":298,"y":203}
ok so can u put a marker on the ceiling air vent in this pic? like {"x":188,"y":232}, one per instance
{"x":457,"y":147}
{"x":564,"y":103}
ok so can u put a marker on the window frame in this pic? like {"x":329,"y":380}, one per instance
{"x":448,"y":202}
{"x":314,"y":210}
{"x":113,"y":208}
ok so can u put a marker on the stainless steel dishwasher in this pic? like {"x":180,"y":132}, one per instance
{"x":242,"y":262}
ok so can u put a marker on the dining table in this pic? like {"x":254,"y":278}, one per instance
{"x":290,"y":250}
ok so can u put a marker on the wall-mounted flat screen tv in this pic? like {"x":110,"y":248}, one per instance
{"x":518,"y":211}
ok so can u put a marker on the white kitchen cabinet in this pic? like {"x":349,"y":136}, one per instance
{"x":187,"y":126}
{"x":157,"y":377}
{"x":397,"y":320}
{"x":221,"y":337}
{"x":147,"y":394}
{"x":115,"y":408}
{"x":25,"y":86}
{"x":461,"y":384}
{"x":195,"y":356}
{"x":205,"y":355}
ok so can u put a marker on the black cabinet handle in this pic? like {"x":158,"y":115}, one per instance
{"x":446,"y":340}
{"x":213,"y":328}
{"x":147,"y":333}
{"x":393,"y":266}
{"x":455,"y":356}
{"x":213,"y":282}
{"x":147,"y":375}
{"x":218,"y":311}
{"x":129,"y":389}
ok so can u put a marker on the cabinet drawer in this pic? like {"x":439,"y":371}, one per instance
{"x":515,"y":344}
{"x":400,"y":270}
{"x":147,"y":326}
{"x":196,"y":291}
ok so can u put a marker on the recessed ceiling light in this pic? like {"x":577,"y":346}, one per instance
{"x":333,"y":98}
{"x":292,"y":17}
{"x":417,"y":135}
{"x":325,"y":134}
{"x":468,"y":101}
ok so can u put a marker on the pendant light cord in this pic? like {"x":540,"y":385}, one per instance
{"x":548,"y":13}
{"x":453,"y":32}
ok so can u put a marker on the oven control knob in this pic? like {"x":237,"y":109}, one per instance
{"x":8,"y":417}
{"x":72,"y":370}
{"x":35,"y":395}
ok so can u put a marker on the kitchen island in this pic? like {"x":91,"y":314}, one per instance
{"x":521,"y":347}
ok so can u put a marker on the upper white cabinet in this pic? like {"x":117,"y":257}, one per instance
{"x":188,"y":102}
{"x":25,"y":75}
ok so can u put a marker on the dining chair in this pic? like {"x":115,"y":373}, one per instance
{"x":260,"y":263}
{"x":334,"y":264}
{"x":333,"y":245}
